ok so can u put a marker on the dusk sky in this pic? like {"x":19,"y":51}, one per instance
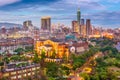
{"x":103,"y":13}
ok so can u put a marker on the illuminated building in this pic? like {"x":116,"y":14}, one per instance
{"x":52,"y":47}
{"x":27,"y":24}
{"x":88,"y":28}
{"x":83,"y":31}
{"x":96,"y":31}
{"x":75,"y":26}
{"x":56,"y":49}
{"x":108,"y":35}
{"x":46,"y":23}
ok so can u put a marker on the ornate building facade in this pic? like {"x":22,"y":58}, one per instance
{"x":52,"y":49}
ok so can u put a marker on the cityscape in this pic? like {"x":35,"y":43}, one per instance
{"x":58,"y":47}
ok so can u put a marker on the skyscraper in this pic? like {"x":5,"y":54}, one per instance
{"x":75,"y":26}
{"x":82,"y":22}
{"x":82,"y":28}
{"x":79,"y":22}
{"x":27,"y":24}
{"x":78,"y":16}
{"x":88,"y":27}
{"x":46,"y":23}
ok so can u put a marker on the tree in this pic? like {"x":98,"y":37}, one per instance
{"x":1,"y":63}
{"x":43,"y":76}
{"x":95,"y":77}
{"x":15,"y":58}
{"x":6,"y":60}
{"x":43,"y":55}
{"x":19,"y":50}
{"x":53,"y":54}
{"x":36,"y":58}
{"x":24,"y":58}
{"x":51,"y":78}
{"x":107,"y":48}
{"x":103,"y":75}
{"x":85,"y":76}
{"x":29,"y":48}
{"x":53,"y":70}
{"x":42,"y":58}
{"x":65,"y":69}
{"x":64,"y":58}
{"x":112,"y":75}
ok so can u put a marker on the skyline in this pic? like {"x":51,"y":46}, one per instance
{"x":102,"y":13}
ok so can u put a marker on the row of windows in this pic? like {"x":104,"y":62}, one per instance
{"x":21,"y":72}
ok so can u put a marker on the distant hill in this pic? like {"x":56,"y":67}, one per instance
{"x":10,"y":25}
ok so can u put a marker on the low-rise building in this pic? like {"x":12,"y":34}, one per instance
{"x":118,"y":46}
{"x":52,"y":47}
{"x":57,"y":49}
{"x":11,"y":44}
{"x":21,"y":72}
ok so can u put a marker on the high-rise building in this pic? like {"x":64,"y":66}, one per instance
{"x":27,"y":24}
{"x":79,"y":21}
{"x":75,"y":26}
{"x":78,"y":16}
{"x":82,"y":22}
{"x":82,"y":28}
{"x":46,"y":23}
{"x":88,"y":27}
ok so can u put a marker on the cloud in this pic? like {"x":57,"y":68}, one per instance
{"x":82,"y":4}
{"x":38,"y":8}
{"x":6,"y":2}
{"x":105,"y":18}
{"x":99,"y":11}
{"x":114,"y":16}
{"x":79,"y":1}
{"x":113,"y":1}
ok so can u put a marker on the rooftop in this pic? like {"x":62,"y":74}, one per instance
{"x":46,"y":17}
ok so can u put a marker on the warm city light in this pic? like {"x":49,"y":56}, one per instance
{"x":59,"y":40}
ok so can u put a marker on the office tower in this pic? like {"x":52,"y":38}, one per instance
{"x":79,"y":21}
{"x":82,"y":22}
{"x":46,"y":23}
{"x":78,"y":16}
{"x":27,"y":24}
{"x":82,"y":28}
{"x":75,"y":26}
{"x":88,"y":27}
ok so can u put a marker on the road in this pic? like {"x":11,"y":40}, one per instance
{"x":87,"y":68}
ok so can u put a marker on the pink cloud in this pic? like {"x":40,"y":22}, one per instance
{"x":6,"y":2}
